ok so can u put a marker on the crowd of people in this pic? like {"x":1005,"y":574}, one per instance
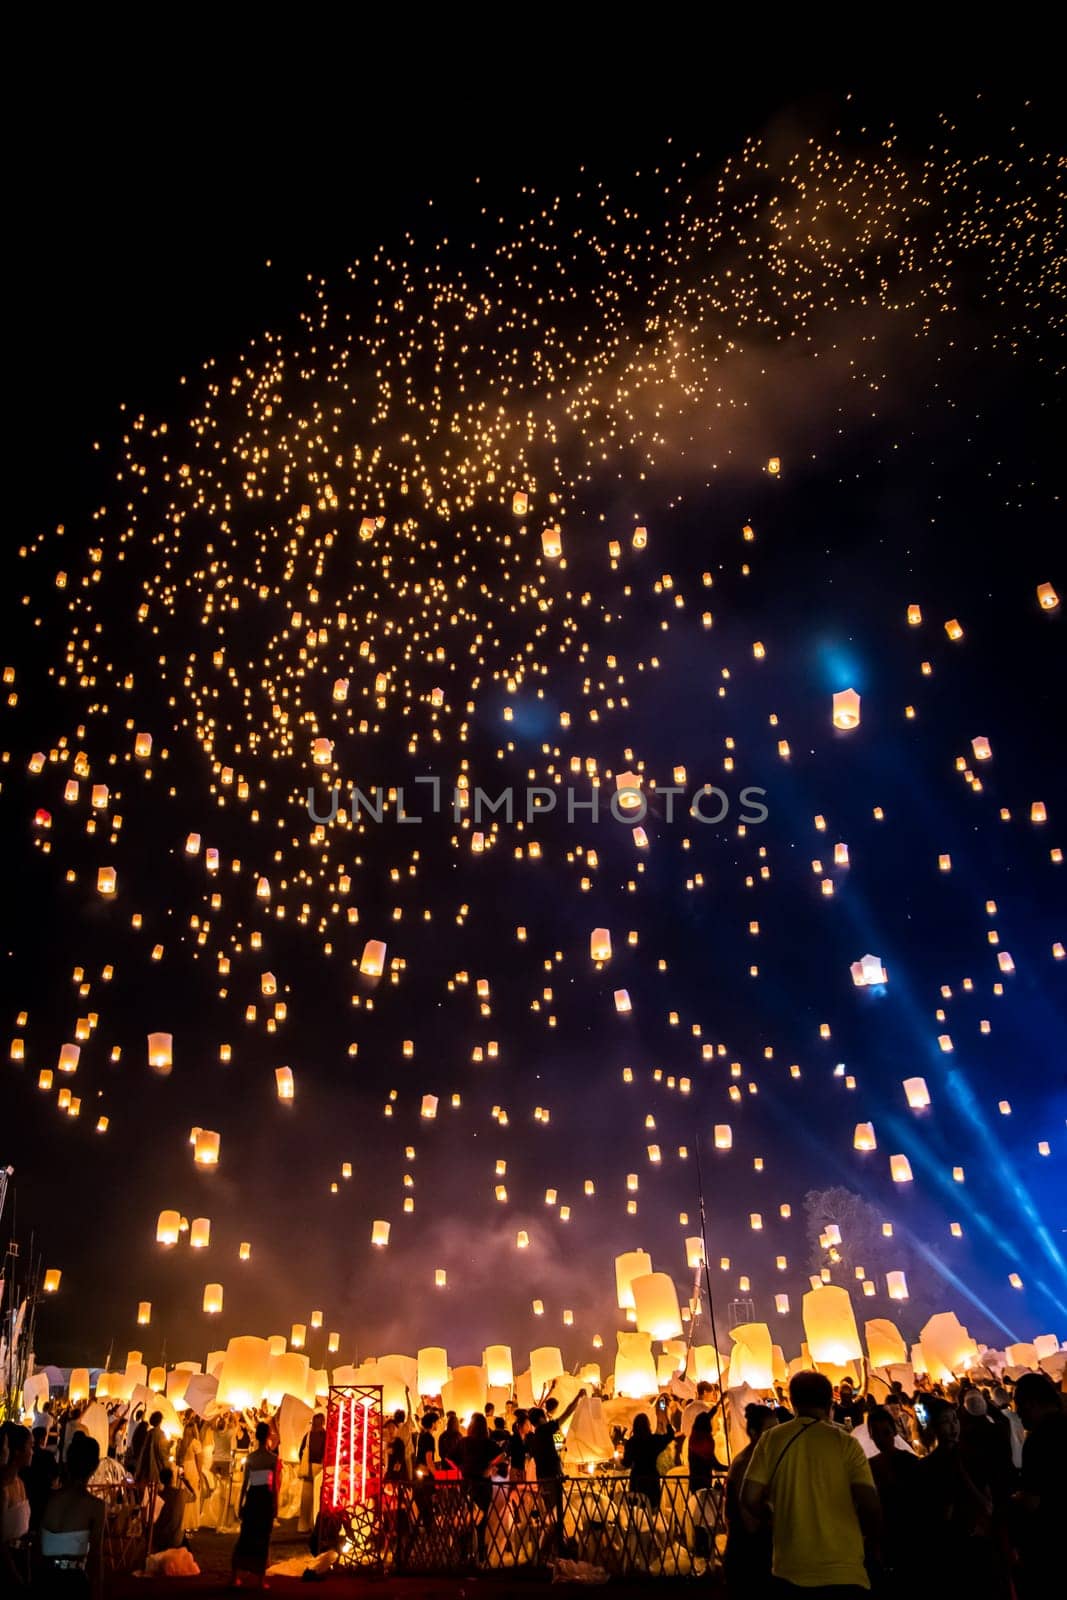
{"x":952,"y":1489}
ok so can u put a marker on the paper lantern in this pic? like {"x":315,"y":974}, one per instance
{"x":900,"y":1169}
{"x":283,"y":1080}
{"x":868,"y":972}
{"x":694,"y":1253}
{"x":781,"y":1304}
{"x":496,"y":1359}
{"x":200,"y":1233}
{"x":316,"y":1319}
{"x":724,"y":1137}
{"x":51,"y":1279}
{"x":432,"y":1370}
{"x":552,"y":543}
{"x":916,"y":1093}
{"x":633,"y":1264}
{"x":206,"y":1149}
{"x":982,"y":749}
{"x":947,"y":1347}
{"x":622,"y":1001}
{"x":636,"y":1377}
{"x":161,"y":1051}
{"x":440,"y":1277}
{"x":144,"y":1312}
{"x":286,"y":1374}
{"x":467,"y":1391}
{"x":168,"y":1227}
{"x":1047,"y":598}
{"x":656,"y":1304}
{"x":213,"y":1298}
{"x":863,"y":1138}
{"x":157,"y":1379}
{"x":380,"y":1233}
{"x":752,"y":1356}
{"x":244,"y":1372}
{"x":1021,"y":1355}
{"x":546,"y":1365}
{"x":78,"y":1385}
{"x":142,"y":746}
{"x":830,"y":1326}
{"x":372,"y":961}
{"x":69,"y":1055}
{"x":428,"y":1109}
{"x":896,"y":1285}
{"x":600,"y":944}
{"x":846,"y":709}
{"x":704,"y":1364}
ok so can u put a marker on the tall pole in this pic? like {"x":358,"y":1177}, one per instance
{"x":711,"y":1301}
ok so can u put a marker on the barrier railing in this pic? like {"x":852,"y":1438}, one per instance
{"x":446,"y":1527}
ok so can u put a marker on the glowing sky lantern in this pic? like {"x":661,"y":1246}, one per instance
{"x":432,"y":1370}
{"x":628,"y":795}
{"x":106,"y":881}
{"x":830,"y":1326}
{"x":142,"y":746}
{"x":694,"y":1252}
{"x":916,"y":1093}
{"x":622,"y":1001}
{"x":885,"y":1343}
{"x":752,"y":1355}
{"x":552,"y":543}
{"x":896,"y":1285}
{"x":520,"y":502}
{"x":283,"y":1081}
{"x":286,"y":1374}
{"x":372,"y":961}
{"x":863,"y":1138}
{"x":379,"y":1234}
{"x":656,"y":1304}
{"x":322,"y":752}
{"x":600,"y":944}
{"x":628,"y":1266}
{"x":213,"y":1298}
{"x":52,"y":1279}
{"x":78,"y":1385}
{"x":868,"y":971}
{"x":200,"y":1233}
{"x":160,"y":1051}
{"x":69,"y":1055}
{"x":1047,"y":598}
{"x":636,"y":1375}
{"x":144,"y":1312}
{"x":947,"y":1347}
{"x":723,"y":1136}
{"x":982,"y":749}
{"x":168,"y":1227}
{"x":496,"y":1359}
{"x":243,"y":1375}
{"x":900,"y":1169}
{"x":846,"y":712}
{"x":207,"y":1147}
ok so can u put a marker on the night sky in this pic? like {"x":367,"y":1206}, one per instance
{"x":633,"y":315}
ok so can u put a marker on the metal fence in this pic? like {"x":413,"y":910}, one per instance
{"x":448,"y":1527}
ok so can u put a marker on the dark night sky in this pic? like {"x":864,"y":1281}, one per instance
{"x":147,"y":207}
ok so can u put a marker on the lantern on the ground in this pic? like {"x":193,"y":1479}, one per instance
{"x":243,"y":1375}
{"x":213,"y":1298}
{"x":636,"y":1377}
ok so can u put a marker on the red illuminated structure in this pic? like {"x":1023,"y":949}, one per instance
{"x":350,"y":1510}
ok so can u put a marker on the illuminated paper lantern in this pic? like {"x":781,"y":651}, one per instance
{"x":781,"y":1305}
{"x":144,"y":1312}
{"x":830,"y":1326}
{"x":863,"y":1138}
{"x":1047,"y":598}
{"x":168,"y":1227}
{"x":916,"y":1093}
{"x":900,"y":1169}
{"x":106,"y":881}
{"x":466,"y":1391}
{"x":896,"y":1285}
{"x":78,"y":1386}
{"x":636,"y":1377}
{"x":846,"y":709}
{"x":213,"y":1298}
{"x":428,"y":1109}
{"x":244,"y":1372}
{"x":142,"y":746}
{"x":432,"y":1370}
{"x":704,"y":1364}
{"x":752,"y":1356}
{"x":982,"y":749}
{"x":622,"y":1001}
{"x":69,"y":1055}
{"x":206,"y":1148}
{"x":372,"y":961}
{"x":628,"y":791}
{"x":724,"y":1137}
{"x":600,"y":944}
{"x":51,"y":1279}
{"x":868,"y":972}
{"x":160,"y":1051}
{"x":380,"y":1233}
{"x":297,"y":1335}
{"x":496,"y":1359}
{"x":1021,"y":1355}
{"x":283,"y":1080}
{"x":694,"y":1253}
{"x":552,"y":543}
{"x":656,"y":1304}
{"x":947,"y":1347}
{"x":322,"y":752}
{"x":286,"y":1374}
{"x":157,"y":1379}
{"x":632,"y":1264}
{"x":546,"y":1365}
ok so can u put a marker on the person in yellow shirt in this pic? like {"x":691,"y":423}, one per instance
{"x":813,"y":1479}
